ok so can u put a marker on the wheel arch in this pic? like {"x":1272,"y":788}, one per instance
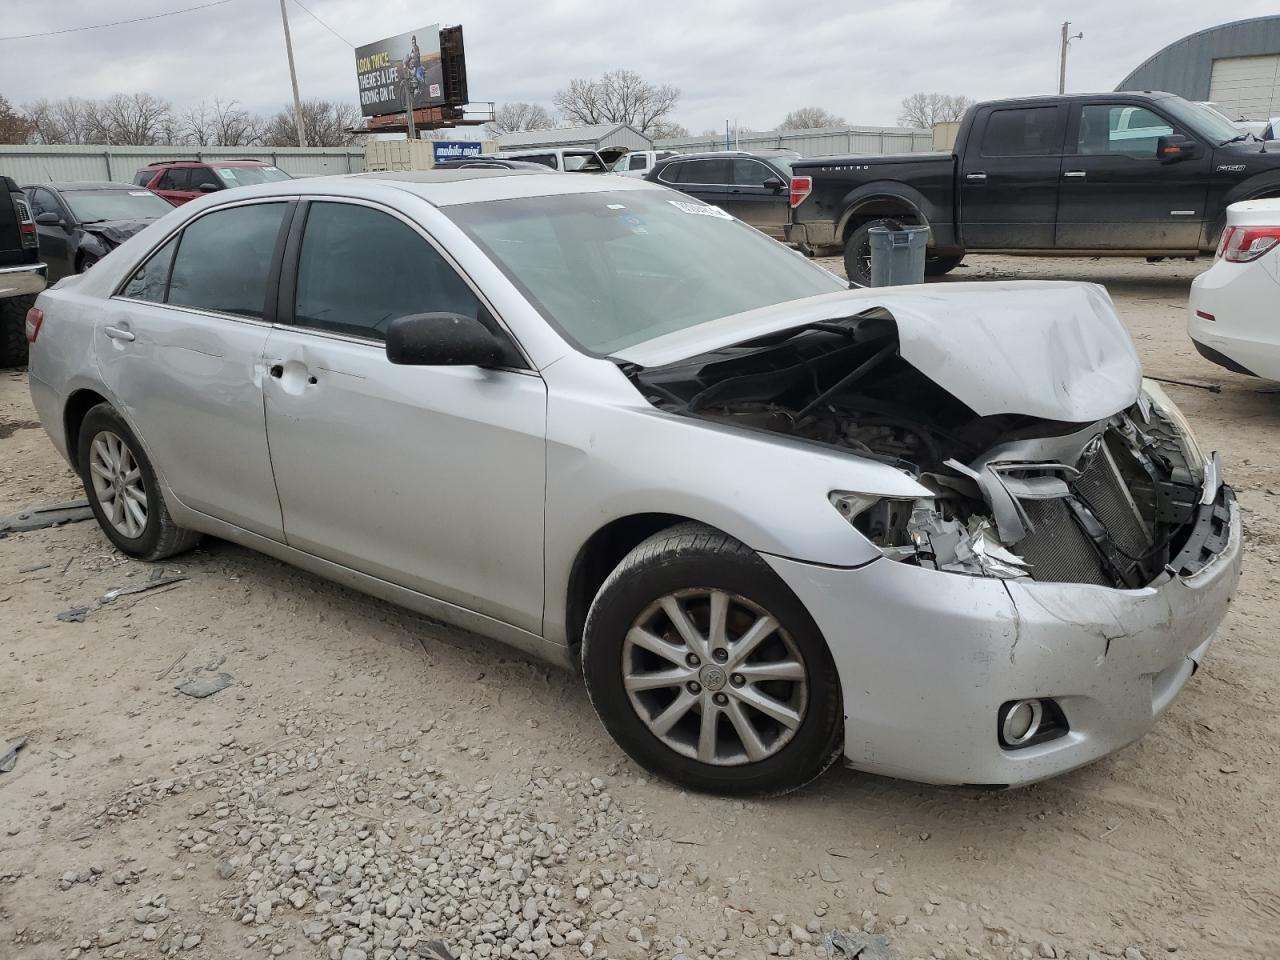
{"x":78,"y":405}
{"x":876,"y":200}
{"x":600,"y":554}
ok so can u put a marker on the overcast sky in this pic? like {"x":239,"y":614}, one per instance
{"x":747,"y":60}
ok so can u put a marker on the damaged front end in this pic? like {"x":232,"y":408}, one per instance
{"x":1120,"y":501}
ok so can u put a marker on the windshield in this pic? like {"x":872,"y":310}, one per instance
{"x":90,"y":206}
{"x":613,"y":269}
{"x":250,"y":176}
{"x":1203,"y":120}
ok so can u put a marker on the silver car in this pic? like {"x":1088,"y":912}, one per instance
{"x":945,"y":532}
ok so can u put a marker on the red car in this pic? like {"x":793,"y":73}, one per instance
{"x":181,"y":180}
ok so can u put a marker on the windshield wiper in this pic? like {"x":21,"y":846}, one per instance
{"x":1236,"y":139}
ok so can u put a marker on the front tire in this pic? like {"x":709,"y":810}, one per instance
{"x":708,"y":671}
{"x":123,"y":490}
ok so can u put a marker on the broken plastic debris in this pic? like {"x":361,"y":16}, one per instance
{"x":960,"y":549}
{"x":205,"y":685}
{"x":10,"y":755}
{"x":37,"y":518}
{"x":74,"y":615}
{"x":859,"y":945}
{"x":140,"y":588}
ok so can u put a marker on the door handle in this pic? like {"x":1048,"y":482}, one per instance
{"x":1075,"y":174}
{"x":118,"y":333}
{"x":977,"y":177}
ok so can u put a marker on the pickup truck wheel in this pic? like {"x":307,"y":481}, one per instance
{"x":13,"y":330}
{"x":937,"y":266}
{"x":857,"y":253}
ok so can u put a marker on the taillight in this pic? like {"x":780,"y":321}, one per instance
{"x":1243,"y":244}
{"x":26,"y":225}
{"x":801,"y":187}
{"x":35,"y":320}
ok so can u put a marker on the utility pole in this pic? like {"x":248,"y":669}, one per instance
{"x":1061,"y":56}
{"x":293,"y":76}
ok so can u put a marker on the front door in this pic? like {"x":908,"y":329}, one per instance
{"x":181,"y":347}
{"x":431,"y":478}
{"x":1117,"y":194}
{"x":1009,"y":178}
{"x":764,"y":207}
{"x":175,"y":185}
{"x":55,"y":238}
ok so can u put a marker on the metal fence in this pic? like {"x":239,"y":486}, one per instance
{"x":37,"y":163}
{"x":818,"y":142}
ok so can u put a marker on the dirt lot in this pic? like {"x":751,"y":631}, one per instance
{"x":371,"y":781}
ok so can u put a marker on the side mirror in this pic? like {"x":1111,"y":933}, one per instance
{"x":1175,"y":146}
{"x":208,"y":187}
{"x":773,"y":183}
{"x":442,"y":340}
{"x":48,"y":219}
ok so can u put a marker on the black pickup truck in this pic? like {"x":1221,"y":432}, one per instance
{"x":1115,"y":174}
{"x":22,"y":275}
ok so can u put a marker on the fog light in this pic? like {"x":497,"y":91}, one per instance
{"x":1022,"y":722}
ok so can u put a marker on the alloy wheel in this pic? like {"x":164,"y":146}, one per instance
{"x":715,"y":677}
{"x":117,"y":484}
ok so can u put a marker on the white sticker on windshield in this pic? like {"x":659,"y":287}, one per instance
{"x":701,"y":209}
{"x":139,"y":193}
{"x":615,"y":206}
{"x":269,"y":168}
{"x":226,"y":174}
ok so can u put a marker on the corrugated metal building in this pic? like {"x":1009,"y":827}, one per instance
{"x":818,"y":142}
{"x":39,"y":163}
{"x":1235,"y":65}
{"x":593,"y":137}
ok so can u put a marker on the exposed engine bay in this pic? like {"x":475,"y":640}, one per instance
{"x":1115,"y":502}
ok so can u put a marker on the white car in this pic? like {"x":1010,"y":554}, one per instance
{"x":638,"y":163}
{"x":1231,"y":316}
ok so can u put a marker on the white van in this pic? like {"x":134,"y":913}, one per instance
{"x":567,"y":159}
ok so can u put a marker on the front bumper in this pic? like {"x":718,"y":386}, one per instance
{"x":926,"y":659}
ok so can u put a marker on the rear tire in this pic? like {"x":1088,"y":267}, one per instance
{"x":123,"y":490}
{"x":13,"y":330}
{"x":857,"y":253}
{"x":760,"y":710}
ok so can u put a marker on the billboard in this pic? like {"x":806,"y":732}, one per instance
{"x":454,"y":149}
{"x":383,"y":69}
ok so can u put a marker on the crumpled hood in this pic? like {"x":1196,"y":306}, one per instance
{"x":118,"y":231}
{"x":1048,"y":349}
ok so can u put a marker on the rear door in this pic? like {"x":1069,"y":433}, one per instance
{"x":181,"y":347}
{"x":1117,"y":194}
{"x":432,"y":478}
{"x":708,"y":179}
{"x":750,"y":200}
{"x":1009,"y":178}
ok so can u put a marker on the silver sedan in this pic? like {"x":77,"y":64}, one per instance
{"x":946,"y":533}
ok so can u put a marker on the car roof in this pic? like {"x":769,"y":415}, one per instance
{"x":443,"y":188}
{"x":66,"y":186}
{"x":243,"y":162}
{"x":730,"y":154}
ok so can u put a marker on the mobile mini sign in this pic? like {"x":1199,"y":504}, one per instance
{"x":386,"y":67}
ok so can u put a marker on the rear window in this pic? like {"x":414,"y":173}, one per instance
{"x":1022,"y":132}
{"x":714,"y":171}
{"x":143,"y":177}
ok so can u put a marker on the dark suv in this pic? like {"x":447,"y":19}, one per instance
{"x":181,"y":180}
{"x":753,"y":186}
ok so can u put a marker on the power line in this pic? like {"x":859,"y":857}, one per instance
{"x":325,"y":25}
{"x":120,"y":23}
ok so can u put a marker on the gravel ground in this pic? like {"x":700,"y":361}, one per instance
{"x":371,"y":785}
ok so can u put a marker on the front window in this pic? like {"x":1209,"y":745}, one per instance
{"x":250,"y":176}
{"x":613,"y":269}
{"x":1120,"y":128}
{"x":92,"y":206}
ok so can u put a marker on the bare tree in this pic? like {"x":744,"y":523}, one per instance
{"x":138,"y":119}
{"x":807,"y":118}
{"x":517,"y":116}
{"x":69,"y":120}
{"x":667,"y":130}
{"x":926,"y":109}
{"x":619,"y":96}
{"x":197,"y":126}
{"x":14,"y":127}
{"x":325,"y":123}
